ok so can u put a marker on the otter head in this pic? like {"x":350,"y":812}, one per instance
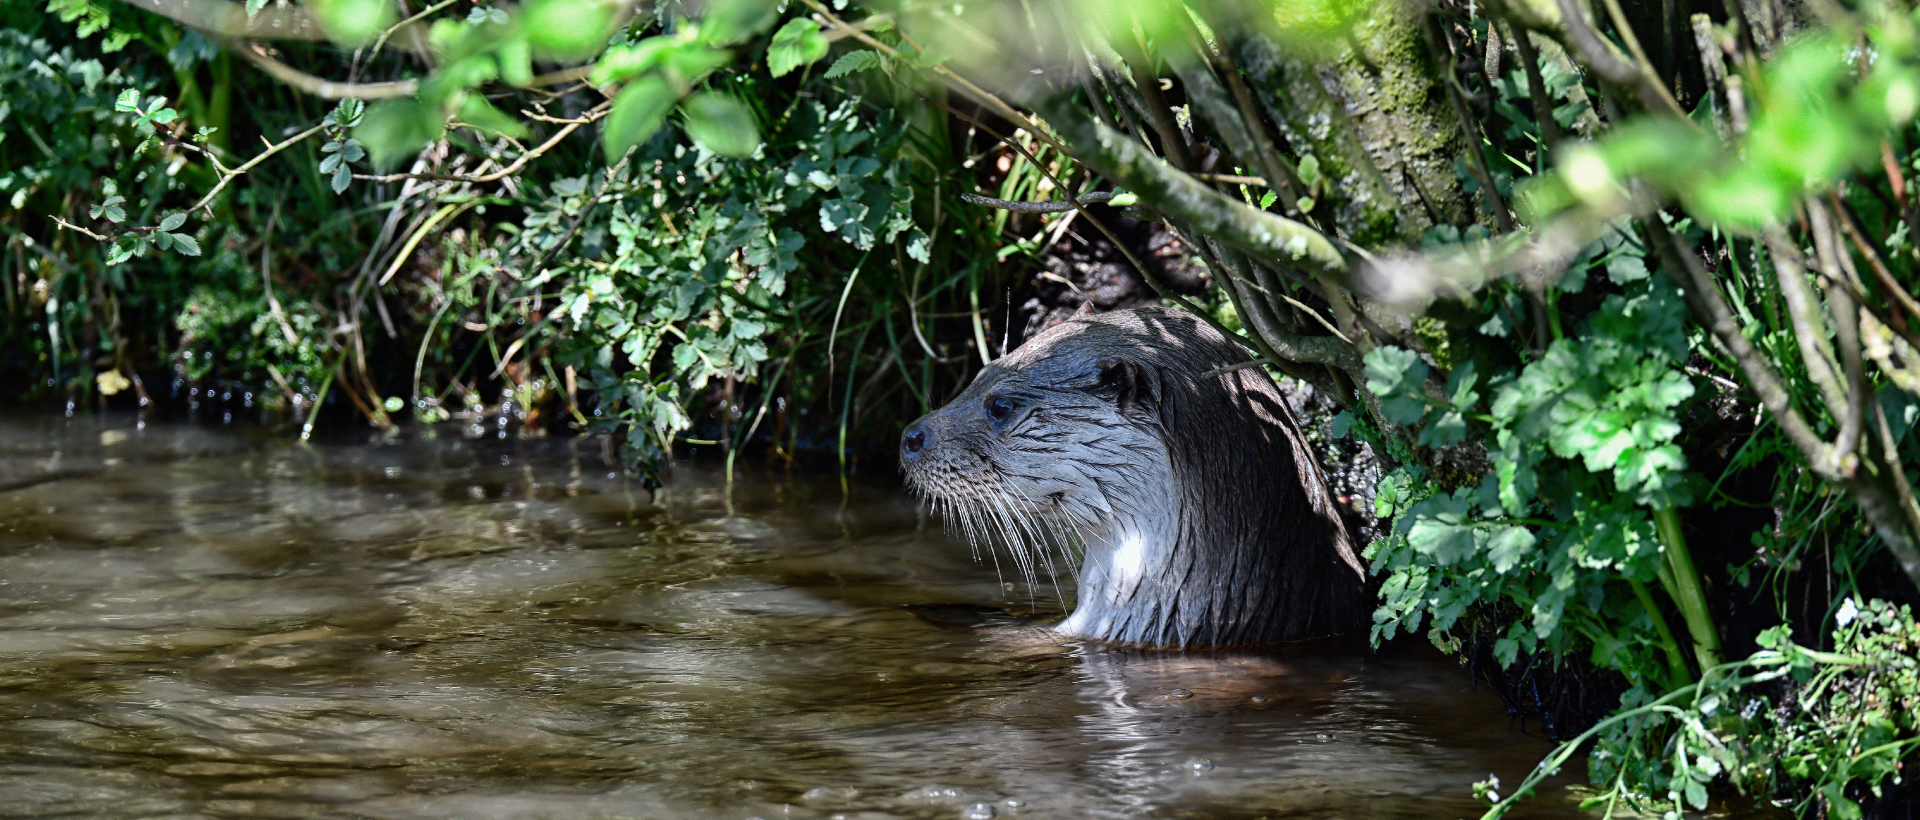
{"x":1203,"y":517}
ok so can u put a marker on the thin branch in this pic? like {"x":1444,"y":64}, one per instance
{"x":323,"y":88}
{"x":1804,"y":313}
{"x":1237,"y":179}
{"x":1537,"y":88}
{"x":230,"y":20}
{"x":1094,"y":198}
{"x":1439,"y":45}
{"x":998,"y":106}
{"x":72,"y":227}
{"x":1615,"y":67}
{"x":381,"y":41}
{"x":1880,"y":273}
{"x":593,"y":114}
{"x":1846,"y":326}
{"x":1710,"y":307}
{"x":1208,"y":212}
{"x":227,"y":175}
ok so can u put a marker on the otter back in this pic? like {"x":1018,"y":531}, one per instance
{"x":1205,"y":519}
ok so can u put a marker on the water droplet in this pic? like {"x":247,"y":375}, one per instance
{"x":980,"y":811}
{"x":1324,"y":736}
{"x":1013,"y":803}
{"x":1179,"y":694}
{"x":1259,"y":698}
{"x":1199,"y":764}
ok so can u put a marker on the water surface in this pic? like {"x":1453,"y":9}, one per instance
{"x":204,"y":624}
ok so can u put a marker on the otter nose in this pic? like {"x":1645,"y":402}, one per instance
{"x":912,"y":443}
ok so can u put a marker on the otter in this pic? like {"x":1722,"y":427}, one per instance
{"x":1204,"y":518}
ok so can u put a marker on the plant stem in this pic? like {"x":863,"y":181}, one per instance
{"x":1683,"y":584}
{"x":1676,"y":663}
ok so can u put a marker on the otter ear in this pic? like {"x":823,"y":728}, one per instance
{"x":1127,"y":384}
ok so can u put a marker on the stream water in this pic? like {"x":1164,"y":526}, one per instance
{"x":202,"y":623}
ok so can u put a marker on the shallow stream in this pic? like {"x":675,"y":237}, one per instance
{"x":197,"y":623}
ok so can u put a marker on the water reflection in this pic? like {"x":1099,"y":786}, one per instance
{"x":202,"y":624}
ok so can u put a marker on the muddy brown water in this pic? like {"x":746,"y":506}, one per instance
{"x":200,"y":623}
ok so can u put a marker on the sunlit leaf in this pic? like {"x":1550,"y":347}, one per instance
{"x":477,"y":112}
{"x":731,"y":21}
{"x":351,"y":22}
{"x":621,"y":63}
{"x":797,"y":43}
{"x":567,"y":29}
{"x":721,"y":124}
{"x":395,"y":129}
{"x":638,"y":111}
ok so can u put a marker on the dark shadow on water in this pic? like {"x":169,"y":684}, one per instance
{"x":202,"y":624}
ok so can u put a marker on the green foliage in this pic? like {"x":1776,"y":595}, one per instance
{"x":1850,"y":715}
{"x":1820,"y":116}
{"x":668,"y":312}
{"x":797,"y":43}
{"x":1582,"y":440}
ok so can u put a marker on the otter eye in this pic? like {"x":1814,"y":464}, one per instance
{"x":1000,"y":408}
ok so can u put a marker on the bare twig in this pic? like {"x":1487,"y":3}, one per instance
{"x":1711,"y":308}
{"x":1476,"y":158}
{"x":324,"y":88}
{"x":1880,"y":273}
{"x":1804,"y":313}
{"x":1537,"y":89}
{"x":1094,"y":198}
{"x":1607,"y":60}
{"x":72,"y":227}
{"x":230,"y":20}
{"x":1846,"y":327}
{"x":593,"y":114}
{"x":227,"y":175}
{"x":998,"y":106}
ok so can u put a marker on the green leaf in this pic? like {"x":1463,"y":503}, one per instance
{"x":1508,"y":546}
{"x":1309,"y":170}
{"x":1398,"y":377}
{"x":1305,"y":204}
{"x":351,"y":22}
{"x":173,"y":221}
{"x":638,"y":111}
{"x":477,"y":112}
{"x":853,"y":61}
{"x":254,"y":7}
{"x":567,"y":29}
{"x":1623,"y":269}
{"x":731,"y":21}
{"x":342,"y":177}
{"x":127,"y":102}
{"x":722,"y":124}
{"x":797,"y":43}
{"x":1341,"y":425}
{"x":395,"y":129}
{"x":183,"y":243}
{"x":621,"y":63}
{"x":919,"y":246}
